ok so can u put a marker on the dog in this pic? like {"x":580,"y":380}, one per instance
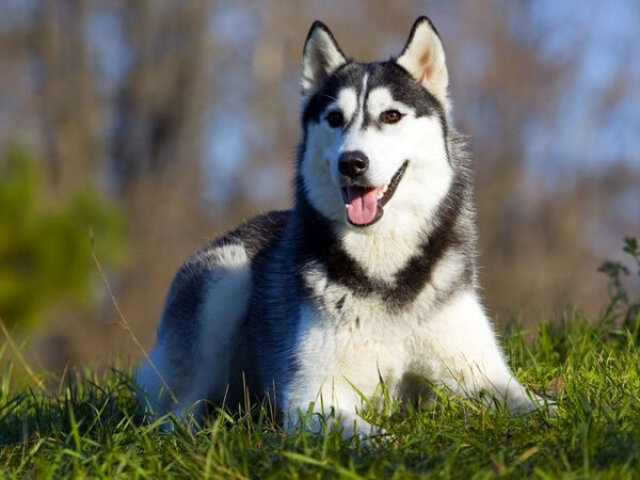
{"x":369,"y":278}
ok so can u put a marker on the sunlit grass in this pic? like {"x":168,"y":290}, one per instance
{"x":91,"y":426}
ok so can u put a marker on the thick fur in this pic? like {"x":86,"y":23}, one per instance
{"x":311,"y":310}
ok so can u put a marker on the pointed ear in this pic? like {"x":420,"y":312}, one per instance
{"x":423,"y":57}
{"x":320,"y":58}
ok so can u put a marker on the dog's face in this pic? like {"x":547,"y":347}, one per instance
{"x":375,"y":154}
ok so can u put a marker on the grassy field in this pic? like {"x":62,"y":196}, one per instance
{"x":91,"y":428}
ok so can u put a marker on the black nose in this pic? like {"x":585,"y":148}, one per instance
{"x":353,"y":164}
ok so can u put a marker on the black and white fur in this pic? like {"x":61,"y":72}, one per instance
{"x":309,"y":308}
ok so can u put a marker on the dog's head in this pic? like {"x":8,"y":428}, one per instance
{"x":375,"y":150}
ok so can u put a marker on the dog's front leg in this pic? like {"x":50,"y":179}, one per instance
{"x":330,"y":381}
{"x":467,"y":359}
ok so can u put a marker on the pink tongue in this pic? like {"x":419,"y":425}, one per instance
{"x":363,"y":205}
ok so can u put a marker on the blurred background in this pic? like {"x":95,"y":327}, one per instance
{"x":145,"y":127}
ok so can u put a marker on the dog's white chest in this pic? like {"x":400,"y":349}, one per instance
{"x":355,"y":347}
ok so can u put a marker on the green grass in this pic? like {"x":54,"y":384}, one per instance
{"x":92,"y":428}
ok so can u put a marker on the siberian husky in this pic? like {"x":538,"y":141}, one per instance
{"x":370,"y":276}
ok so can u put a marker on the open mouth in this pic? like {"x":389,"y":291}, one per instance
{"x":364,"y":205}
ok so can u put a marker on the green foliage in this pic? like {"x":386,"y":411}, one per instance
{"x":620,"y":304}
{"x":91,"y":427}
{"x":45,"y":250}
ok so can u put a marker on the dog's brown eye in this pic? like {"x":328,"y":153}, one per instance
{"x":390,"y":116}
{"x":335,"y":119}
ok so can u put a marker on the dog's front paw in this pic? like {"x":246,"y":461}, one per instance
{"x":349,"y":425}
{"x":532,"y":403}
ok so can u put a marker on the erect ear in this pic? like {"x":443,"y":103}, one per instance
{"x":320,"y":58}
{"x":423,"y":58}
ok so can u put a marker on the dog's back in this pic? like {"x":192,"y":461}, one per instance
{"x":200,"y":345}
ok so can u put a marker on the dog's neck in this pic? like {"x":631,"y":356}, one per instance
{"x":381,"y":253}
{"x":376,"y":253}
{"x":396,"y":263}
